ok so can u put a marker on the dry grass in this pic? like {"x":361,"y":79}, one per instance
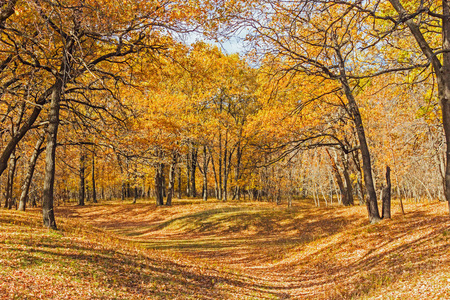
{"x":217,"y":250}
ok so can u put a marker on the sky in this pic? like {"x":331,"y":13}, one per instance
{"x":231,"y":46}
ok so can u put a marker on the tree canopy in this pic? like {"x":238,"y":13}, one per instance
{"x":328,"y":95}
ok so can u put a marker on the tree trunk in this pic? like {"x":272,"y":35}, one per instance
{"x":122,"y":191}
{"x":81,"y":192}
{"x":159,"y":174}
{"x":49,"y":177}
{"x":226,"y":167}
{"x":8,"y":184}
{"x":220,"y":161}
{"x":205,"y":174}
{"x":10,"y":201}
{"x":193,"y":169}
{"x":216,"y":184}
{"x":188,"y":174}
{"x":171,"y":188}
{"x":29,"y":176}
{"x":128,"y":189}
{"x":164,"y":190}
{"x":444,"y":92}
{"x":9,"y":148}
{"x":238,"y":170}
{"x":348,"y":182}
{"x":225,"y":174}
{"x":94,"y":191}
{"x":179,"y":182}
{"x":135,"y":195}
{"x":374,"y":215}
{"x":386,"y":196}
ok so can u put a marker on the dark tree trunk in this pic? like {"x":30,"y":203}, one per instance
{"x":216,"y":183}
{"x":159,"y":174}
{"x":87,"y":193}
{"x":8,"y":184}
{"x":33,"y":201}
{"x":238,"y":171}
{"x":82,"y":187}
{"x":179,"y":182}
{"x":9,"y":148}
{"x":227,"y":171}
{"x":374,"y":214}
{"x":225,"y":175}
{"x":128,"y":189}
{"x":10,"y":201}
{"x":48,"y":213}
{"x":94,"y":191}
{"x":171,"y":188}
{"x":135,"y":195}
{"x":386,"y":196}
{"x":164,"y":190}
{"x":29,"y":176}
{"x":205,"y":173}
{"x":193,"y":170}
{"x":225,"y":168}
{"x":220,"y":161}
{"x":122,"y":191}
{"x":444,"y":92}
{"x":188,"y":174}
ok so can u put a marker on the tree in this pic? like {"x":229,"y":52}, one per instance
{"x":319,"y":40}
{"x":29,"y":175}
{"x":81,"y":195}
{"x":85,"y":40}
{"x":417,"y":20}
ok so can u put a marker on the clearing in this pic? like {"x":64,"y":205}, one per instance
{"x":234,"y":250}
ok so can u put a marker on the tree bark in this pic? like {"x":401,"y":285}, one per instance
{"x":374,"y":215}
{"x":193,"y":170}
{"x":238,"y":169}
{"x":94,"y":191}
{"x":135,"y":194}
{"x":9,"y":148}
{"x":188,"y":174}
{"x":49,"y":177}
{"x":29,"y":176}
{"x":386,"y":196}
{"x":220,"y":161}
{"x":179,"y":182}
{"x":10,"y":182}
{"x":348,"y":182}
{"x":171,"y":187}
{"x":216,"y":184}
{"x":122,"y":191}
{"x":81,"y":192}
{"x":159,"y":173}
{"x":205,"y":173}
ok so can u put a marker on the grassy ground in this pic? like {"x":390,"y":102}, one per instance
{"x":214,"y":250}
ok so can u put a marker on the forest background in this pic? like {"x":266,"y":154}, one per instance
{"x":103,"y":100}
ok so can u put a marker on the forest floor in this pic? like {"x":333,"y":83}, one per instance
{"x":234,"y":250}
